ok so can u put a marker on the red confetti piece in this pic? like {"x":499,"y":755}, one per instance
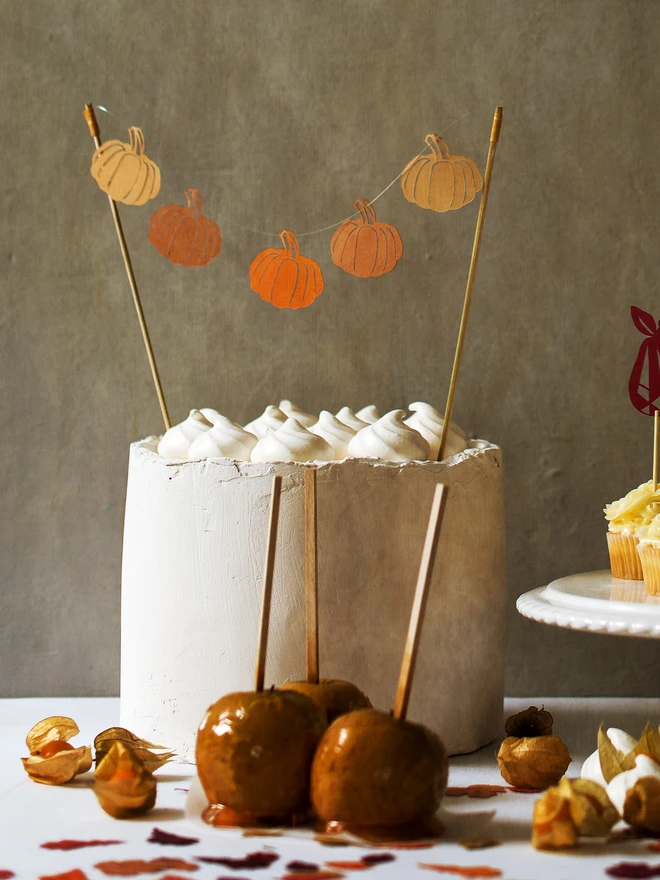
{"x":378,"y":858}
{"x":249,"y":862}
{"x":302,"y":866}
{"x":77,"y":844}
{"x":166,"y":838}
{"x":133,"y":867}
{"x":464,"y":871}
{"x":76,"y":874}
{"x":6,"y":875}
{"x":477,"y":791}
{"x":633,"y":869}
{"x":314,"y":875}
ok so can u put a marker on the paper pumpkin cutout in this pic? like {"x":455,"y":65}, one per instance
{"x":285,"y":278}
{"x":644,"y":383}
{"x":183,"y":234}
{"x":364,"y":247}
{"x":124,"y":172}
{"x":439,"y":181}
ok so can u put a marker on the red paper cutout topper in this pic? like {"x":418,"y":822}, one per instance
{"x":644,"y":384}
{"x":184,"y":235}
{"x":285,"y":278}
{"x":364,"y":247}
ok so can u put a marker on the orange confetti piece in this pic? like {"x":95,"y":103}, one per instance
{"x":349,"y":866}
{"x":477,"y":791}
{"x":133,"y":867}
{"x":464,"y":870}
{"x":76,"y":874}
{"x":314,"y":875}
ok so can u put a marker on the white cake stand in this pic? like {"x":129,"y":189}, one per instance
{"x":595,"y":602}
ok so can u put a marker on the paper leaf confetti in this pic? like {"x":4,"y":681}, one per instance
{"x":476,"y":791}
{"x":6,"y":874}
{"x":124,"y":171}
{"x":75,"y":874}
{"x":438,"y":180}
{"x":67,"y":845}
{"x":166,"y":838}
{"x":364,"y":247}
{"x":285,"y":278}
{"x":249,"y":862}
{"x":133,"y":867}
{"x":183,"y":235}
{"x":644,"y":383}
{"x":633,"y":869}
{"x":464,"y":870}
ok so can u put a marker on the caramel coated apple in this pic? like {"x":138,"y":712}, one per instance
{"x":254,"y":752}
{"x":333,"y":696}
{"x":372,"y":770}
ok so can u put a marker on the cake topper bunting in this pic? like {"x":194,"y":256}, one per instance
{"x":647,"y":364}
{"x":183,"y":235}
{"x":439,"y":181}
{"x":285,"y":278}
{"x":124,"y":171}
{"x":364,"y":247}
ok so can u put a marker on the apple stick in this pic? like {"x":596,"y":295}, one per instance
{"x":419,"y":603}
{"x":271,"y":547}
{"x":655,"y":449}
{"x":311,"y":578}
{"x":494,"y":138}
{"x":95,"y":132}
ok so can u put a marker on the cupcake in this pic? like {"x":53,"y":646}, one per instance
{"x":648,"y":550}
{"x":625,"y":518}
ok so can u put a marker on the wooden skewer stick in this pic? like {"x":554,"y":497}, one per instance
{"x":311,"y":578}
{"x":494,"y":138}
{"x":268,"y":583}
{"x":656,"y":414}
{"x":419,"y":603}
{"x":95,"y":132}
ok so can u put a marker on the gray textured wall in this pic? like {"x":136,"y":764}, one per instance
{"x":283,"y":113}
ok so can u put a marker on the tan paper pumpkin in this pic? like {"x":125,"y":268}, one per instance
{"x":285,"y":278}
{"x":439,"y":181}
{"x":183,"y":234}
{"x":124,"y":172}
{"x":364,"y":247}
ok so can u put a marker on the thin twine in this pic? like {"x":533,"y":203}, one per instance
{"x":332,"y":225}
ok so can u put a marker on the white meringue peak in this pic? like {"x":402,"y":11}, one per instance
{"x":176,"y":441}
{"x":270,"y":419}
{"x":428,"y":421}
{"x":211,"y":414}
{"x":336,"y":433}
{"x":225,"y":439}
{"x":368,"y":414}
{"x":348,"y":417}
{"x":292,"y":442}
{"x":294,"y":412}
{"x":390,"y":439}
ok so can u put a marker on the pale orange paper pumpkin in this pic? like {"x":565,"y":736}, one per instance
{"x":184,"y":235}
{"x":438,"y":180}
{"x":364,"y":247}
{"x":124,"y":172}
{"x":285,"y":278}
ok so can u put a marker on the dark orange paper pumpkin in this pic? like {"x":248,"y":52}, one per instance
{"x":364,"y":247}
{"x":184,"y":235}
{"x":439,"y":181}
{"x":284,"y":278}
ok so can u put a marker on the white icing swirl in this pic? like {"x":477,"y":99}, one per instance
{"x":294,"y":412}
{"x":176,"y":441}
{"x":225,"y":439}
{"x":390,"y":439}
{"x":292,"y":442}
{"x":336,"y":433}
{"x":348,"y":417}
{"x":211,"y":414}
{"x":428,"y":421}
{"x":368,"y":414}
{"x":270,"y":419}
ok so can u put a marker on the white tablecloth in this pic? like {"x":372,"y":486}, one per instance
{"x":32,"y":814}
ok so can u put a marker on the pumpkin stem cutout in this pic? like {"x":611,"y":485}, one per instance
{"x":364,"y":247}
{"x":285,"y":278}
{"x":183,"y":235}
{"x":644,"y":383}
{"x":124,"y":172}
{"x":438,"y":180}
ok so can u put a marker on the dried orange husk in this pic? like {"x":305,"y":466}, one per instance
{"x":642,"y":804}
{"x":533,"y":761}
{"x":56,"y":727}
{"x":122,"y":784}
{"x":142,"y":748}
{"x":611,"y":759}
{"x":59,"y":768}
{"x":120,"y":734}
{"x":592,"y":812}
{"x":552,"y":825}
{"x":530,"y":722}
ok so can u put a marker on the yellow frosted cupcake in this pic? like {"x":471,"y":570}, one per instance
{"x":625,"y":517}
{"x":648,"y":550}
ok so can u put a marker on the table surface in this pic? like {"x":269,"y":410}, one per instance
{"x":32,"y":814}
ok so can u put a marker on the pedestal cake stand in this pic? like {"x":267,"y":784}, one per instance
{"x":594,"y":601}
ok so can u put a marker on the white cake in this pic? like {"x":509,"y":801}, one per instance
{"x":194,"y":540}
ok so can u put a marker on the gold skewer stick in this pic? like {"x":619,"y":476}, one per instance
{"x":95,"y":132}
{"x":494,"y":138}
{"x":656,"y":414}
{"x":269,"y":570}
{"x":311,"y":579}
{"x":419,"y":603}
